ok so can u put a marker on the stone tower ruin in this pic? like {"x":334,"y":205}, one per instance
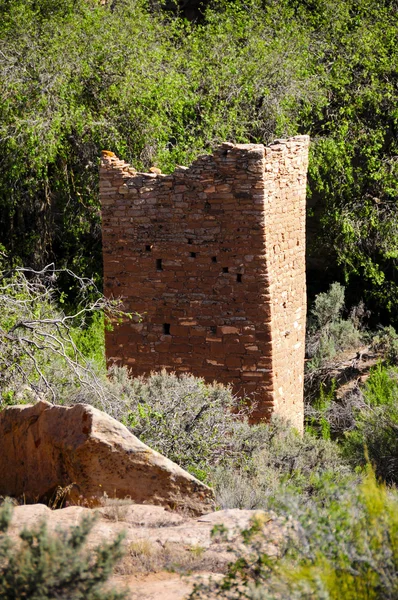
{"x":213,"y":258}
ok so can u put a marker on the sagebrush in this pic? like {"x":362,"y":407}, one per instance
{"x":44,"y":566}
{"x":345,"y":547}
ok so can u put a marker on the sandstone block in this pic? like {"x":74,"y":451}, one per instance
{"x":44,"y":446}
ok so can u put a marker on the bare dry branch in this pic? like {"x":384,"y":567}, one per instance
{"x":34,"y":332}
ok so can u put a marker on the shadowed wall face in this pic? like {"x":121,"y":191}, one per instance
{"x":213,"y":257}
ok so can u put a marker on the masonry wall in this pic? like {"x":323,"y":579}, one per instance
{"x":286,"y":164}
{"x":212,"y":257}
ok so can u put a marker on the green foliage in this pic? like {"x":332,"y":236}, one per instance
{"x":85,"y":77}
{"x":328,"y":306}
{"x":381,"y":389}
{"x":44,"y":566}
{"x":90,"y":340}
{"x":276,"y":460}
{"x":353,"y":171}
{"x":188,"y":421}
{"x":346,"y":547}
{"x":320,"y":423}
{"x":328,"y":333}
{"x":386,"y":342}
{"x":375,"y":436}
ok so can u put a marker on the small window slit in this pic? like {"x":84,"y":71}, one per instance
{"x":225,"y":269}
{"x":166,"y":329}
{"x":239,"y":278}
{"x":159,"y":266}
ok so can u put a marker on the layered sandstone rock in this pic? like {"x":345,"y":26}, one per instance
{"x":44,"y":446}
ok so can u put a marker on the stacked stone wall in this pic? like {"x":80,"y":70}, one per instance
{"x":286,"y":167}
{"x":212,"y":257}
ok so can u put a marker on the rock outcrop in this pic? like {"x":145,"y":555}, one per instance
{"x":43,"y":447}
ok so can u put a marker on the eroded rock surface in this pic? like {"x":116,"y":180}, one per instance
{"x":44,"y":446}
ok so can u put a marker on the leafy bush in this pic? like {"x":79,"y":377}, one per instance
{"x":375,"y":436}
{"x":90,"y":339}
{"x":364,"y":423}
{"x":276,"y":460}
{"x":331,"y":417}
{"x":328,"y":306}
{"x":43,"y":566}
{"x":386,"y":343}
{"x":318,"y":414}
{"x":186,"y":420}
{"x":328,"y":333}
{"x":346,"y":547}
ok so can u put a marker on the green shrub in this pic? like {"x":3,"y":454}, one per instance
{"x":205,"y":430}
{"x":317,"y":415}
{"x":332,"y":417}
{"x":375,"y":436}
{"x":364,"y":423}
{"x":386,"y":342}
{"x":328,"y":333}
{"x":183,"y":418}
{"x":328,"y":305}
{"x":190,"y":422}
{"x":43,"y":566}
{"x":90,"y":340}
{"x":345,"y":547}
{"x":202,"y":428}
{"x":276,"y":460}
{"x":381,"y":389}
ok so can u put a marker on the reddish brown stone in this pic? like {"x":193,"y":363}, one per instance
{"x":213,"y":257}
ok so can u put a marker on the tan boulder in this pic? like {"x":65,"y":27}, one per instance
{"x":44,"y":446}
